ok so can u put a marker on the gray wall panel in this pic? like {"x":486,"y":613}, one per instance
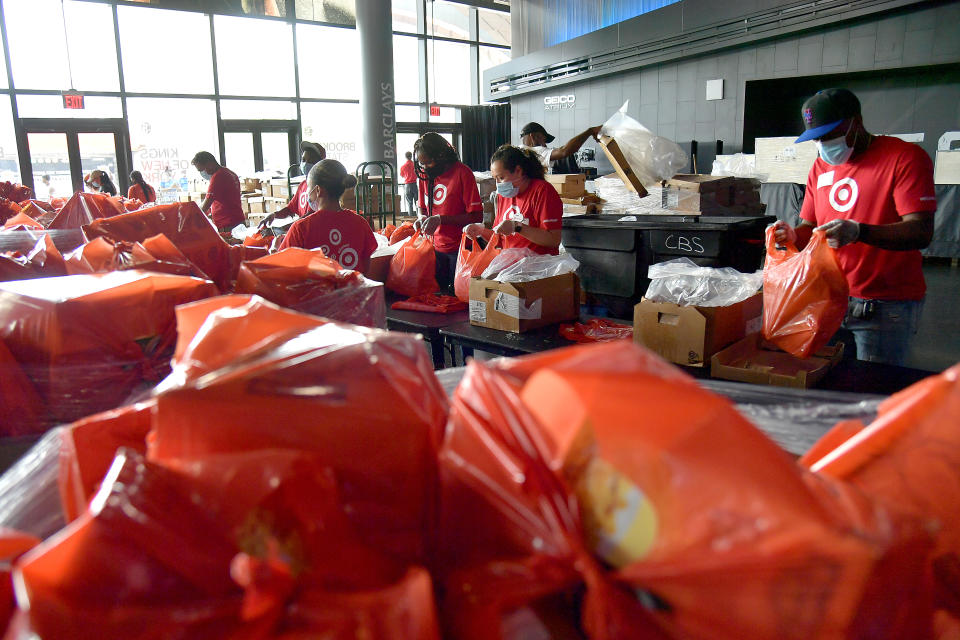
{"x":661,"y":23}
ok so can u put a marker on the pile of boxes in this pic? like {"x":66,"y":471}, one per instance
{"x":568,"y":185}
{"x":262,"y":197}
{"x":712,"y":195}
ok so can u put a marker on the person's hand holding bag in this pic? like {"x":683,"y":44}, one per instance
{"x":840,"y":232}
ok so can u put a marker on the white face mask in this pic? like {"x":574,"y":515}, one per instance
{"x":313,"y":205}
{"x":837,"y":151}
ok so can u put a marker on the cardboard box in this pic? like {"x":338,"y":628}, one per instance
{"x":782,"y":160}
{"x":279,"y":189}
{"x":272,"y":205}
{"x":257,"y":205}
{"x":245,"y":205}
{"x":754,"y":360}
{"x":521,"y":306}
{"x":691,"y":335}
{"x":485,"y":186}
{"x":621,"y":166}
{"x":947,"y":168}
{"x":379,"y":268}
{"x":250,"y":184}
{"x":184,"y":197}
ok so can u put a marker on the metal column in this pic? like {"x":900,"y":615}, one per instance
{"x":377,"y":103}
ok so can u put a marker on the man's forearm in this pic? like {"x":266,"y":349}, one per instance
{"x":461,"y":220}
{"x":906,"y":235}
{"x":572,"y":146}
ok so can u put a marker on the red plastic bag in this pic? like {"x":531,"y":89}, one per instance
{"x":87,"y":341}
{"x":387,"y":231}
{"x":22,"y":220}
{"x":21,"y":408}
{"x":405,"y":230}
{"x":15,"y":192}
{"x":13,"y":544}
{"x":472,"y":263}
{"x":257,"y":239}
{"x":907,"y":458}
{"x":263,"y":362}
{"x":43,"y":261}
{"x":8,"y":209}
{"x":707,"y":528}
{"x":805,"y":295}
{"x":306,"y":281}
{"x":413,"y":268}
{"x":596,"y":330}
{"x":185,"y":226}
{"x":83,"y":208}
{"x":431,"y":303}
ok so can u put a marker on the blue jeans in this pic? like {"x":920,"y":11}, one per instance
{"x":885,"y":337}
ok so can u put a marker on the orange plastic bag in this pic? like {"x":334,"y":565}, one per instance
{"x":472,"y":263}
{"x":908,"y":459}
{"x":413,"y":268}
{"x":387,"y":231}
{"x":21,"y":408}
{"x":405,"y":230}
{"x":83,"y":208}
{"x":87,"y":341}
{"x":266,"y":362}
{"x":306,"y":281}
{"x":596,"y":330}
{"x":602,"y":465}
{"x":12,"y":545}
{"x":431,"y":303}
{"x":43,"y":261}
{"x":805,"y":295}
{"x":22,"y":220}
{"x":15,"y":192}
{"x":185,"y":226}
{"x":257,"y":239}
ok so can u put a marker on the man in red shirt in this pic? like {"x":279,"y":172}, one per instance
{"x":223,"y":195}
{"x":310,"y":154}
{"x":874,"y":198}
{"x":449,"y":200}
{"x":408,"y":178}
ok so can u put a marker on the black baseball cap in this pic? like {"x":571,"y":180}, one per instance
{"x":535,"y":127}
{"x":316,"y":148}
{"x":826,"y":109}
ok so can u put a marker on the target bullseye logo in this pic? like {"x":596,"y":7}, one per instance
{"x":304,"y":201}
{"x":439,"y":194}
{"x":335,"y":236}
{"x":349,"y":259}
{"x":843,"y":194}
{"x":513,"y":213}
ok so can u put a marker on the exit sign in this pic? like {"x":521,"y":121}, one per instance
{"x":73,"y":101}
{"x":434,"y":110}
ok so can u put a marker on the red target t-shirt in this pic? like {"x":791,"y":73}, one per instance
{"x":538,"y":206}
{"x":454,"y":193}
{"x":299,"y":203}
{"x":342,"y":235}
{"x":892,"y":178}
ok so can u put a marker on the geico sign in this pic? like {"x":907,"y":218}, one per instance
{"x":555,"y":103}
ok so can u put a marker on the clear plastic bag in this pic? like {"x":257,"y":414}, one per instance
{"x":740,"y":165}
{"x":652,"y":157}
{"x":506,"y":258}
{"x":683,"y":282}
{"x":30,"y":489}
{"x":538,"y":267}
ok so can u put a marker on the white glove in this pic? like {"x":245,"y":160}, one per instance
{"x":429,"y":225}
{"x":506,"y":228}
{"x":840,"y":232}
{"x":473,"y":230}
{"x":783,"y":233}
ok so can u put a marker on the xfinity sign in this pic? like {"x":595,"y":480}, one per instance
{"x":556,"y":103}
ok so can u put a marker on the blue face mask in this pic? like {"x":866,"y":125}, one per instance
{"x":836,"y":152}
{"x":205,"y":175}
{"x":305,"y":167}
{"x":507,"y":189}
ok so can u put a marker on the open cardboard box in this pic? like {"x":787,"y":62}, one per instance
{"x":757,"y":361}
{"x":621,"y":166}
{"x":691,"y":335}
{"x":521,"y":306}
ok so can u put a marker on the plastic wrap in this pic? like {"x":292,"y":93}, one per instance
{"x":739,"y":165}
{"x":30,"y":489}
{"x":22,"y":221}
{"x":8,"y":209}
{"x":908,"y":459}
{"x":681,"y":281}
{"x":25,"y":240}
{"x":42,"y":261}
{"x":506,"y":258}
{"x":185,"y":225}
{"x":596,"y":330}
{"x":538,"y":267}
{"x":472,"y":262}
{"x":431,"y":303}
{"x":15,"y":192}
{"x":711,"y":530}
{"x":219,"y":546}
{"x":652,"y":157}
{"x":413,"y":267}
{"x":306,"y":281}
{"x":83,"y":208}
{"x":805,"y":295}
{"x":256,"y":376}
{"x":86,"y":342}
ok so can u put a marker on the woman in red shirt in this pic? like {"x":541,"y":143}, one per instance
{"x":139,"y":189}
{"x":529,"y":210}
{"x":341,"y":234}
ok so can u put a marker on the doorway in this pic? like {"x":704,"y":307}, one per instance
{"x":252,"y":146}
{"x":59,"y":153}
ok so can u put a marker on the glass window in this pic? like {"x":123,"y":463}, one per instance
{"x":329,"y":59}
{"x":238,"y":149}
{"x":98,"y":151}
{"x":449,"y":72}
{"x":337,"y":127}
{"x":339,"y":12}
{"x":254,"y":57}
{"x":49,"y":157}
{"x":405,"y":16}
{"x":165,"y":133}
{"x":406,"y":68}
{"x":448,"y":19}
{"x":39,"y":48}
{"x":447,"y":114}
{"x":491,"y":57}
{"x":9,"y":160}
{"x":52,"y":107}
{"x":153,"y":65}
{"x":275,"y":151}
{"x":258,"y":110}
{"x":494,"y":26}
{"x":408,"y":113}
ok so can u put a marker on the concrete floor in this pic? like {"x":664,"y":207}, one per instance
{"x":937,"y":344}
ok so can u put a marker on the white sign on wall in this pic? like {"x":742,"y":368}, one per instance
{"x":556,"y":103}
